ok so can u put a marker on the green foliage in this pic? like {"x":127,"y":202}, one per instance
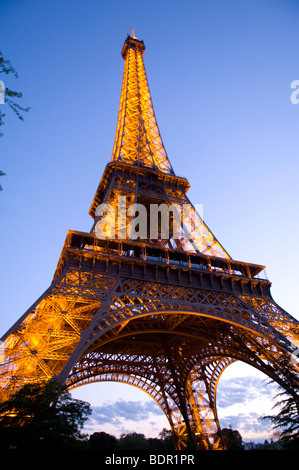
{"x":42,"y":417}
{"x":1,"y":174}
{"x":133,"y":441}
{"x":7,"y":68}
{"x":232,"y":439}
{"x":286,"y":421}
{"x":9,"y":95}
{"x":101,"y":441}
{"x":45,"y":416}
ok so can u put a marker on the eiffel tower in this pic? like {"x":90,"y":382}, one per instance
{"x":163,"y":308}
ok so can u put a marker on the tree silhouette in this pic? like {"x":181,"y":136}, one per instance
{"x":232,"y":439}
{"x":42,"y":417}
{"x":286,"y":421}
{"x":102,"y":441}
{"x":9,"y":96}
{"x":133,"y":441}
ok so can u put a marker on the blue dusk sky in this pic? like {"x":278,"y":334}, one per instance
{"x":220,"y":75}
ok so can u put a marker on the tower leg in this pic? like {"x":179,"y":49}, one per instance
{"x":204,"y":416}
{"x":201,"y":400}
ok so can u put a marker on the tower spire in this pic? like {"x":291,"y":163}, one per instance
{"x":137,"y":139}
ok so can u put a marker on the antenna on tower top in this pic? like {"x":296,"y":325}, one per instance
{"x":133,"y":33}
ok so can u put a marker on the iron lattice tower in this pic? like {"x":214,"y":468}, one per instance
{"x":164,"y":314}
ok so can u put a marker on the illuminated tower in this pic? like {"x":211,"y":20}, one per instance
{"x":149,"y":296}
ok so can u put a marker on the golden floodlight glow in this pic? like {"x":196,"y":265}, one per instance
{"x":166,"y":310}
{"x":137,"y":139}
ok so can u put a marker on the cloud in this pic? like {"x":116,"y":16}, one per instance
{"x":251,"y":426}
{"x":153,"y":407}
{"x":120,"y":410}
{"x":243,"y":390}
{"x":242,"y":402}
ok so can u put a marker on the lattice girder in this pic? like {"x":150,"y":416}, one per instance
{"x":201,"y":398}
{"x":39,"y":345}
{"x":186,"y":326}
{"x":142,"y":186}
{"x":86,"y":311}
{"x":141,"y":171}
{"x":132,"y":298}
{"x":164,"y":314}
{"x":138,"y":140}
{"x":205,"y":368}
{"x":146,"y":373}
